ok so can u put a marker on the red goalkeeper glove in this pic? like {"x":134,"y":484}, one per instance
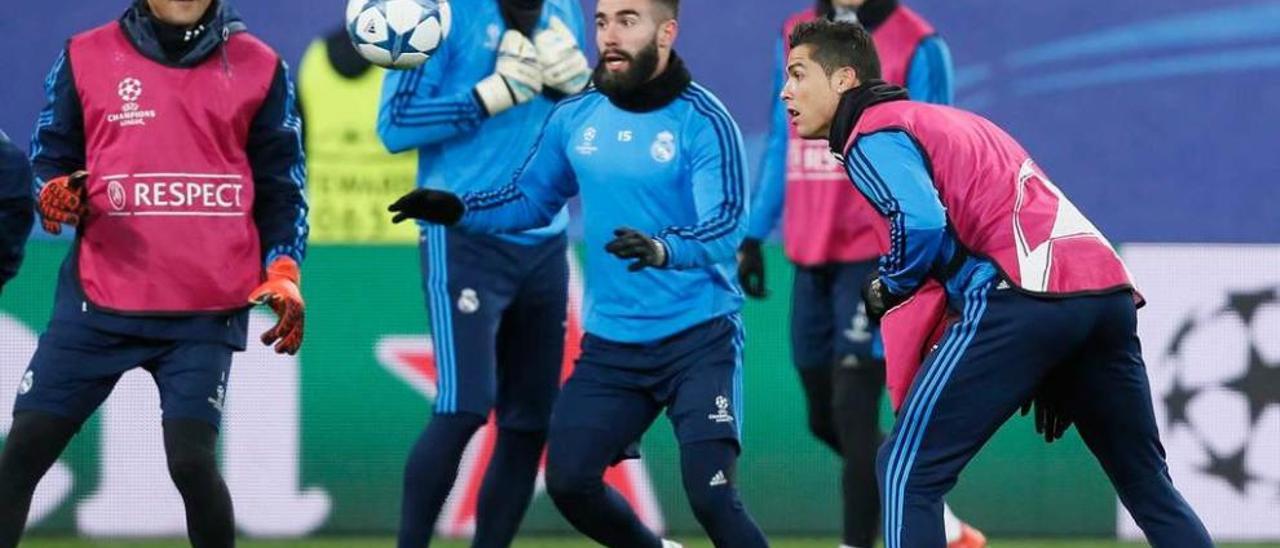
{"x":63,"y":201}
{"x":281,"y":293}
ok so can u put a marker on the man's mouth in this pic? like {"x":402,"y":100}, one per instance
{"x":615,"y":61}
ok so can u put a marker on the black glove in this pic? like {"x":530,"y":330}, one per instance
{"x":432,"y":206}
{"x":751,"y":269}
{"x":629,"y":243}
{"x":877,"y":298}
{"x":1052,"y":420}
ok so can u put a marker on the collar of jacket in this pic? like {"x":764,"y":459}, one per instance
{"x":219,"y":24}
{"x":853,"y":104}
{"x":658,"y":92}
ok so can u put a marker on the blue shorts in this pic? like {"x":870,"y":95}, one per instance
{"x":497,"y":313}
{"x":829,"y":324}
{"x":695,"y":374}
{"x":75,"y":368}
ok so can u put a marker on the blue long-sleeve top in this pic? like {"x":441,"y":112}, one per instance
{"x":17,"y":207}
{"x":677,"y":173}
{"x":433,"y":109}
{"x":888,"y":168}
{"x":275,"y":157}
{"x":930,"y":79}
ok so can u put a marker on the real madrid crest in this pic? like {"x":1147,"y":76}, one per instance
{"x":663,"y":149}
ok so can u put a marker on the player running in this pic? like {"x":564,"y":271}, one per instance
{"x":1038,"y":290}
{"x":17,"y":208}
{"x":172,"y":144}
{"x":659,"y":165}
{"x":497,"y":303}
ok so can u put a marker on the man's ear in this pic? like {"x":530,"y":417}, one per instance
{"x":667,"y":32}
{"x":845,"y":79}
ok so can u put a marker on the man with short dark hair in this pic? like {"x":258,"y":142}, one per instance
{"x":658,"y":162}
{"x":834,"y":237}
{"x":1047,"y":309}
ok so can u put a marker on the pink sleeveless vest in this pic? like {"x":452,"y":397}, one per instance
{"x":823,"y":219}
{"x":171,"y":192}
{"x":1000,"y":204}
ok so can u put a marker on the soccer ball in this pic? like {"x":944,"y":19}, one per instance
{"x":397,"y":34}
{"x":1221,"y":405}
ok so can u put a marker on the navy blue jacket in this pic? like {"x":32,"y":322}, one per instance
{"x":17,"y":207}
{"x":275,"y":154}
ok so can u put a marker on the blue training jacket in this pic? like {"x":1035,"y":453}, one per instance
{"x":677,"y":173}
{"x":433,"y":109}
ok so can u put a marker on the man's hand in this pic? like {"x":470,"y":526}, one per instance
{"x":629,"y":243}
{"x":564,"y":66}
{"x":877,"y":298}
{"x":63,"y":201}
{"x":432,"y":206}
{"x":282,"y":294}
{"x":516,"y":79}
{"x":751,"y":269}
{"x":1052,"y":418}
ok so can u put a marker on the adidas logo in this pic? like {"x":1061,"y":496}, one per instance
{"x":718,"y":479}
{"x":1004,"y":284}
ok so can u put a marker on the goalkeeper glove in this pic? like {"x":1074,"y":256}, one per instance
{"x":432,"y":206}
{"x":281,"y":293}
{"x":63,"y":201}
{"x":516,"y":79}
{"x":629,"y":243}
{"x":751,"y":269}
{"x":564,"y":66}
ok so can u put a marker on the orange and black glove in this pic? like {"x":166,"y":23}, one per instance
{"x":63,"y":201}
{"x":281,"y":293}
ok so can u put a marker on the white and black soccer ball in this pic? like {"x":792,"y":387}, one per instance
{"x":1221,"y":399}
{"x":398,"y":34}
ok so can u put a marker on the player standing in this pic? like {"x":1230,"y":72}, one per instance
{"x":17,"y":210}
{"x":659,"y":165}
{"x":1038,"y":289}
{"x":497,"y":303}
{"x":834,"y":237}
{"x":171,"y":142}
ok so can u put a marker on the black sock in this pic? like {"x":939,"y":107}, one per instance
{"x":508,"y":487}
{"x":709,"y":470}
{"x":191,"y":448}
{"x":34,"y":443}
{"x":816,"y":382}
{"x":429,"y":474}
{"x":857,"y":395}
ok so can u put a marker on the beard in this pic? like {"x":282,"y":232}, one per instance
{"x":640,"y":69}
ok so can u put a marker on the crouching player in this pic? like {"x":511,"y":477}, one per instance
{"x":659,"y":165}
{"x":171,"y":143}
{"x":1038,"y":289}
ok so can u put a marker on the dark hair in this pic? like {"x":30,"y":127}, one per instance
{"x":672,"y":5}
{"x":837,"y":44}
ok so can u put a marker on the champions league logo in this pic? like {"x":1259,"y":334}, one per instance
{"x":1211,"y":343}
{"x":130,"y":91}
{"x":1228,"y":408}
